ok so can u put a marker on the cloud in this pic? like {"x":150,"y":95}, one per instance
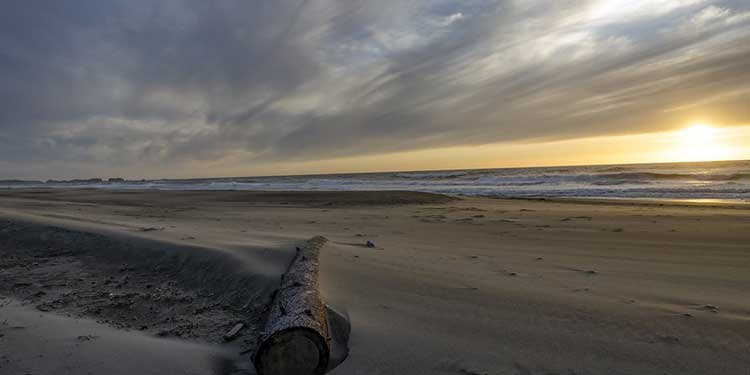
{"x":146,"y":87}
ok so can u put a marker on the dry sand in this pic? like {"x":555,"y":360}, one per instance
{"x":470,"y":286}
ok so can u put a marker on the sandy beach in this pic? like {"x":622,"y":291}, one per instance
{"x":437,"y":187}
{"x":449,"y":286}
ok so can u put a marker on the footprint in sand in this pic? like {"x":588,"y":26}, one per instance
{"x":587,"y":218}
{"x":664,"y":339}
{"x":149,"y":229}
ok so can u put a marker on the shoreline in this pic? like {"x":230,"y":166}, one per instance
{"x":659,"y":202}
{"x":409,"y":196}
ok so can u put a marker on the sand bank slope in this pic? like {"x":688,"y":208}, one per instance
{"x":156,"y":287}
{"x":46,"y":344}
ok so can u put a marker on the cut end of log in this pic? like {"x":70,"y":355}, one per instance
{"x":296,"y":351}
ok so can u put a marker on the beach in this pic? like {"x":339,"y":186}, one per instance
{"x":448,"y":285}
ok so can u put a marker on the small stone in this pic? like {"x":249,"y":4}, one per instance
{"x":232,"y":334}
{"x":150,"y":229}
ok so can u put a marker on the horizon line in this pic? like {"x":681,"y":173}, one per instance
{"x":105,"y":179}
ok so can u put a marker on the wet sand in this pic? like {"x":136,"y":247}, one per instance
{"x":469,"y":286}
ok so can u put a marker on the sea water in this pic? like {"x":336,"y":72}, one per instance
{"x":726,"y":180}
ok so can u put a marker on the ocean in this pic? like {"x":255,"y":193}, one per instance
{"x":726,"y":180}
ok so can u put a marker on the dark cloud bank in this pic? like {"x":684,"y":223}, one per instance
{"x":155,"y":85}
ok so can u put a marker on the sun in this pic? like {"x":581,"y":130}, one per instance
{"x":700,"y":142}
{"x":699,"y":133}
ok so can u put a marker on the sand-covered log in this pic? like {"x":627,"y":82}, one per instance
{"x":295,"y":339}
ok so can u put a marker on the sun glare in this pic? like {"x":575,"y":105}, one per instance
{"x":700,"y":142}
{"x":699,"y":133}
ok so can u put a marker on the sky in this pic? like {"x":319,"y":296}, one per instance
{"x":194,"y":88}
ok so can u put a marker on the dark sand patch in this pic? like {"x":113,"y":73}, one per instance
{"x":162,"y":289}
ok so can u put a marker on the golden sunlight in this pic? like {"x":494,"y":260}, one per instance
{"x":699,"y":133}
{"x":701,"y":142}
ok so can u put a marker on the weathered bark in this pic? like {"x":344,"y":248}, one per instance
{"x":295,"y":339}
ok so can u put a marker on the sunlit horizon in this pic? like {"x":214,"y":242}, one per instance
{"x":694,"y":142}
{"x":686,"y":144}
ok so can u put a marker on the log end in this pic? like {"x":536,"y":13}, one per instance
{"x":294,"y":351}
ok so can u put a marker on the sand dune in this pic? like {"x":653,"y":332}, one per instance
{"x":475,"y":286}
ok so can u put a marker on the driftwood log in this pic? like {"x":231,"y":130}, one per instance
{"x":296,"y":339}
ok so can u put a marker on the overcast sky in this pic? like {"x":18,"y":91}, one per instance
{"x":205,"y":88}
